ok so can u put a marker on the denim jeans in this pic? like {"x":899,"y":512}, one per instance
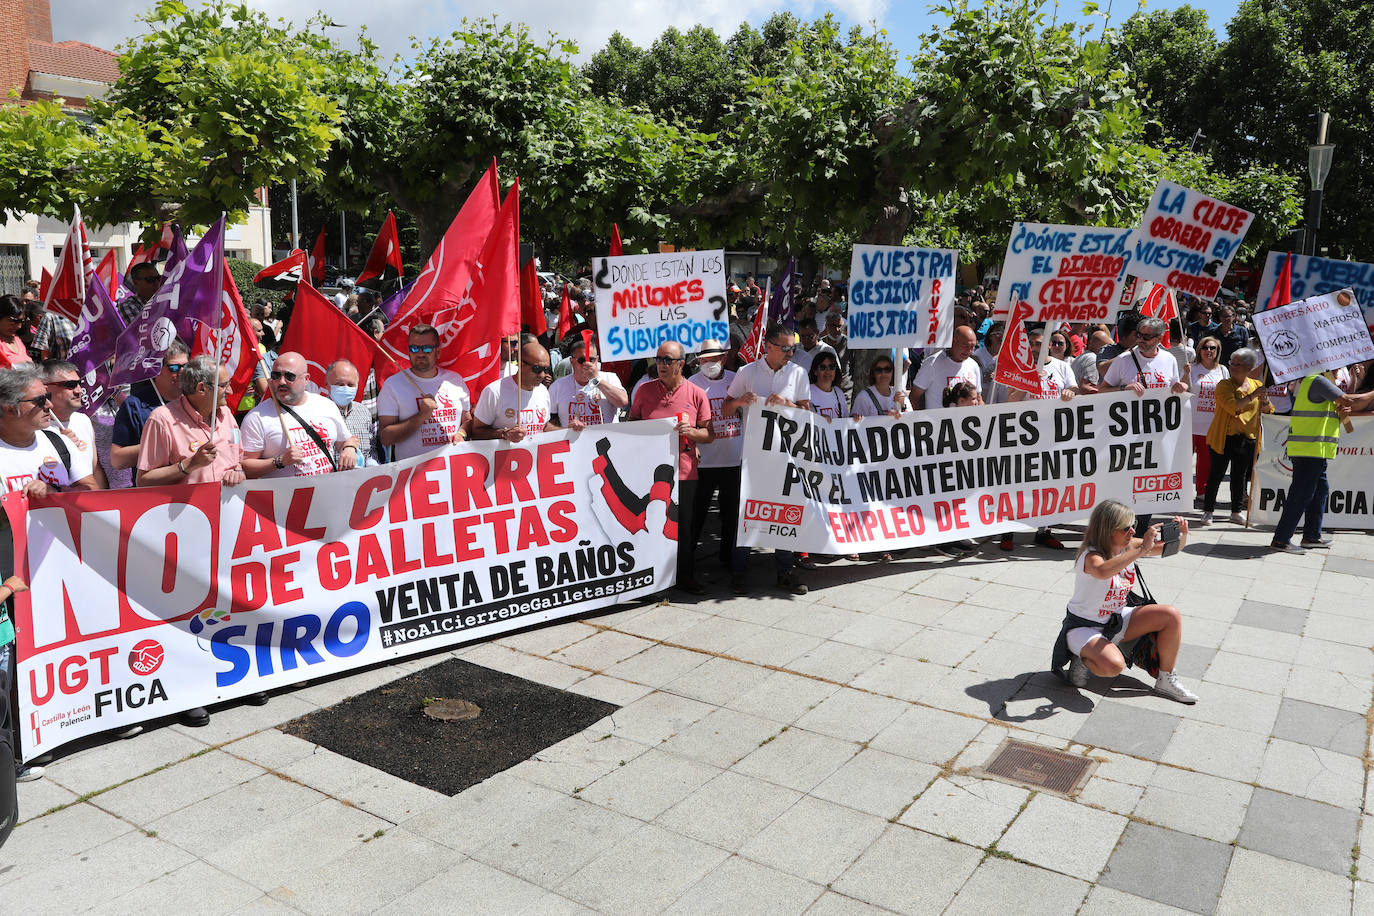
{"x":1306,"y":500}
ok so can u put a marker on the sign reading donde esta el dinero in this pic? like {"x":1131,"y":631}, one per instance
{"x":1350,"y":476}
{"x":644,"y":300}
{"x":147,"y":602}
{"x":932,"y":476}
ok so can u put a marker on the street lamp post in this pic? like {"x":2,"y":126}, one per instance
{"x":1318,"y":167}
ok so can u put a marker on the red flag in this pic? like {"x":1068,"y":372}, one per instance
{"x":495,"y":296}
{"x":439,"y":294}
{"x":753,"y":346}
{"x":284,"y":274}
{"x":321,"y":333}
{"x":238,"y":345}
{"x":45,"y":284}
{"x":315,"y":260}
{"x":565,"y":321}
{"x":67,"y":291}
{"x":1160,"y":304}
{"x":384,"y":261}
{"x":531,"y":300}
{"x":1282,"y":293}
{"x":1015,"y":362}
{"x":617,"y":249}
{"x":108,"y":271}
{"x":153,"y":255}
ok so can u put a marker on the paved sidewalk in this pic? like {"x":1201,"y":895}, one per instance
{"x":790,"y":755}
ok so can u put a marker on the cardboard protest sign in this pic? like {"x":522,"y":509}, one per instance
{"x":841,"y":486}
{"x":1066,"y":273}
{"x":1350,"y":475}
{"x":1314,"y":276}
{"x":1186,"y":240}
{"x":1313,"y":335}
{"x":183,"y":596}
{"x":643,"y":300}
{"x":901,"y":297}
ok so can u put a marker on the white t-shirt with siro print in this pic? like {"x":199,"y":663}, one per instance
{"x":727,"y":449}
{"x":938,"y":372}
{"x":1158,"y":371}
{"x":504,"y":403}
{"x":82,"y":450}
{"x":262,"y":432}
{"x":400,"y":398}
{"x":570,"y":401}
{"x":39,"y":459}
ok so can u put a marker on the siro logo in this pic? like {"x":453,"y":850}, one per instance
{"x":145,"y":657}
{"x":759,"y":511}
{"x":1157,"y":483}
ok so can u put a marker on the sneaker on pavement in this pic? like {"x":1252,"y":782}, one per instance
{"x":789,"y":582}
{"x":196,"y":718}
{"x":1236,"y":519}
{"x":805,"y":562}
{"x":1168,"y":685}
{"x":1287,"y":548}
{"x":1078,"y":672}
{"x":1205,"y":520}
{"x":1045,"y":539}
{"x":129,"y":732}
{"x":28,"y":773}
{"x":1319,"y":543}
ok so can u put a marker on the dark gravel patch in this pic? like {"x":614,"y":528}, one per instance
{"x":386,"y":727}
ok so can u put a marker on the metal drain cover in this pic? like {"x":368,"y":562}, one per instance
{"x":446,"y":710}
{"x":1037,"y":767}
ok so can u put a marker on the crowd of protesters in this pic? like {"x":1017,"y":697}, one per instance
{"x":177,"y":427}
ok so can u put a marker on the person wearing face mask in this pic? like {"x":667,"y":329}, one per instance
{"x":719,"y":468}
{"x":359,"y":417}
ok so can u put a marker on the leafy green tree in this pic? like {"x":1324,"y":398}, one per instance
{"x":1172,"y":56}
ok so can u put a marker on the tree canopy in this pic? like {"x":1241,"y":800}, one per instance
{"x":795,"y":135}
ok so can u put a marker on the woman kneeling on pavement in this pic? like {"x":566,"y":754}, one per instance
{"x":1106,"y":573}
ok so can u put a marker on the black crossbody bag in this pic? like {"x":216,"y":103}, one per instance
{"x":314,"y":436}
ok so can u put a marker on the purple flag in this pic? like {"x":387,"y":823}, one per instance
{"x":780,"y":308}
{"x":393,"y":302}
{"x":98,"y":328}
{"x":190,"y":293}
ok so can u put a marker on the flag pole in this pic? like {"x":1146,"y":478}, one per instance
{"x":219,"y":321}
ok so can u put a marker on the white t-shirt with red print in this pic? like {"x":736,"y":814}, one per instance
{"x":400,"y":398}
{"x":262,"y":432}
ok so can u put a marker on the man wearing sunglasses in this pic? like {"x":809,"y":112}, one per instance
{"x":63,"y":382}
{"x":517,"y":406}
{"x":319,"y":443}
{"x":145,"y":397}
{"x":424,"y":407}
{"x":1145,"y":365}
{"x":587,"y":396}
{"x":783,"y":384}
{"x":670,"y":395}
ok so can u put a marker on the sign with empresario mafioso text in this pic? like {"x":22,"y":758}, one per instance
{"x":1186,"y":240}
{"x":1064,"y":273}
{"x":151,"y":601}
{"x":901,"y":297}
{"x":643,"y":300}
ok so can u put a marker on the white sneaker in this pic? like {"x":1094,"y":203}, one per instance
{"x":1168,"y":685}
{"x":129,"y":732}
{"x":1237,"y":518}
{"x":28,"y":773}
{"x":1078,"y":672}
{"x":1205,"y":520}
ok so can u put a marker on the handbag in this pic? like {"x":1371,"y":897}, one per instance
{"x":1144,"y":651}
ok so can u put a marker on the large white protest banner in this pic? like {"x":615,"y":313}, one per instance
{"x":1312,"y":276}
{"x":643,"y":300}
{"x":1350,"y":476}
{"x":932,"y":476}
{"x":147,"y":602}
{"x":1313,"y":335}
{"x":1186,"y":240}
{"x":901,"y":297}
{"x":1065,"y":273}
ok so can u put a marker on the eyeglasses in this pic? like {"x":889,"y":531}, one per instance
{"x":668,"y":360}
{"x":40,"y":401}
{"x":1130,"y":527}
{"x":786,"y":348}
{"x":1146,"y":338}
{"x":174,"y":368}
{"x":422,"y":348}
{"x":70,"y":384}
{"x":1057,"y":343}
{"x":827,"y":367}
{"x":583,"y":360}
{"x":1209,"y":348}
{"x":539,"y":370}
{"x":882,"y":368}
{"x":278,"y":374}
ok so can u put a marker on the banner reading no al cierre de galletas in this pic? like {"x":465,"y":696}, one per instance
{"x":147,"y":602}
{"x":933,"y":476}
